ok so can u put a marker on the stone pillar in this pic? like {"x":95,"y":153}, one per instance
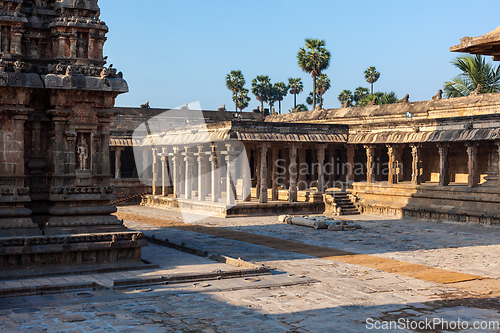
{"x":156,"y":190}
{"x":263,"y":173}
{"x":351,"y":150}
{"x":473,"y":174}
{"x":321,"y":168}
{"x":292,"y":192}
{"x":393,"y":164}
{"x":246,"y":178}
{"x":188,"y":182}
{"x":332,"y":159}
{"x":164,"y":172}
{"x":145,"y":164}
{"x":118,"y":162}
{"x":370,"y":156}
{"x":416,"y":176}
{"x":230,"y":171}
{"x":257,"y":173}
{"x":444,"y":179}
{"x":202,"y":174}
{"x":302,"y":169}
{"x":398,"y":157}
{"x":176,"y":171}
{"x":274,"y":159}
{"x":215,"y":173}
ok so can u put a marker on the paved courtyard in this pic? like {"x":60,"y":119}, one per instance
{"x":393,"y":275}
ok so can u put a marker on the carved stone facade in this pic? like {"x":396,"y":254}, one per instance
{"x":56,"y":97}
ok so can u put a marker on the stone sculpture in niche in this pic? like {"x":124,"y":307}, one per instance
{"x":83,"y":153}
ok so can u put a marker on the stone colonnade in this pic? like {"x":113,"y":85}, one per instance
{"x":211,"y":172}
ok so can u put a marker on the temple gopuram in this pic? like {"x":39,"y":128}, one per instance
{"x":56,"y":100}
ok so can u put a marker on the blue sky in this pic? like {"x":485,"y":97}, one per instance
{"x":176,"y":52}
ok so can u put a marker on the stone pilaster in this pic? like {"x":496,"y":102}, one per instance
{"x":321,"y":168}
{"x":444,"y":179}
{"x":274,"y":159}
{"x":498,"y":150}
{"x":62,"y":47}
{"x":292,"y":191}
{"x":105,"y":121}
{"x":257,"y":173}
{"x":351,"y":149}
{"x":145,"y":164}
{"x":370,"y":163}
{"x":72,"y":46}
{"x":416,"y":176}
{"x":472,"y":163}
{"x":19,"y":120}
{"x":59,"y":118}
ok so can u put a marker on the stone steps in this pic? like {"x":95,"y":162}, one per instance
{"x":343,"y":204}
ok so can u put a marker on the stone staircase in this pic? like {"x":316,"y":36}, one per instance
{"x":339,"y":203}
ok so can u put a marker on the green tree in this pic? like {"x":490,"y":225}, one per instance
{"x":235,"y":82}
{"x":322,"y":85}
{"x":371,"y":76}
{"x":296,"y":87}
{"x":344,"y":96}
{"x":368,"y":98}
{"x":309,"y":99}
{"x":359,"y":93}
{"x":475,"y":71}
{"x":242,"y":100}
{"x":260,"y":88}
{"x":389,"y":98}
{"x":281,"y":90}
{"x":314,"y":59}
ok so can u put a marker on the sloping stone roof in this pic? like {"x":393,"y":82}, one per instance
{"x":487,"y":44}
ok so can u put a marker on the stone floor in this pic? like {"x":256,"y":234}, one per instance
{"x":305,"y":293}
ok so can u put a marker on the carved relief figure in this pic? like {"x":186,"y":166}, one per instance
{"x":83,"y":153}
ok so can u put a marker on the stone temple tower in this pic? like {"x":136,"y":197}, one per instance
{"x":55,"y":99}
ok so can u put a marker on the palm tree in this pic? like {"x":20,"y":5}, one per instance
{"x":345,"y":96}
{"x":235,"y":82}
{"x":322,"y":85}
{"x":371,"y":76}
{"x":296,"y":87}
{"x":281,"y":90}
{"x":314,"y":59}
{"x":309,"y":99}
{"x":475,"y":71}
{"x":260,"y":88}
{"x":242,"y":99}
{"x":389,"y":98}
{"x":359,"y":93}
